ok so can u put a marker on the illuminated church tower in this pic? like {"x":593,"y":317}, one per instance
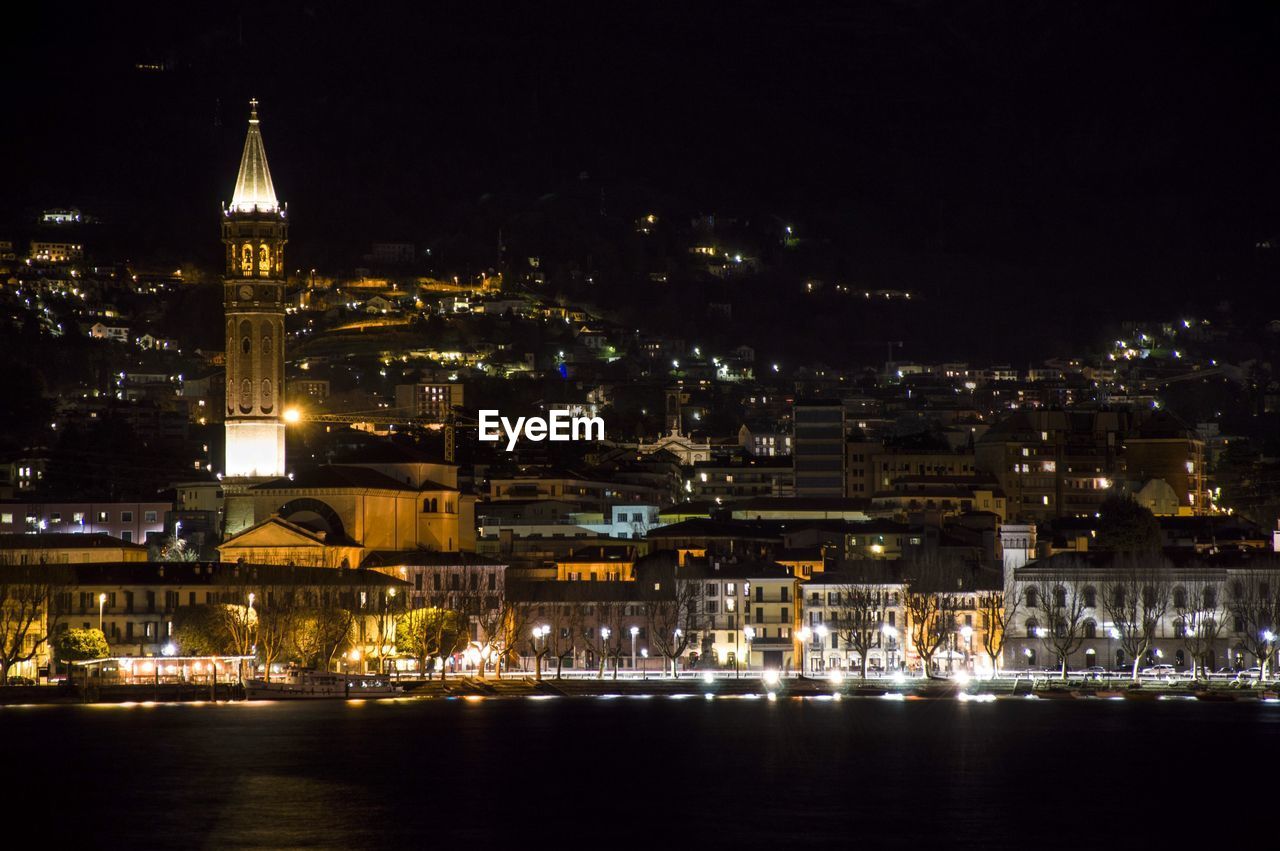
{"x":254,"y":229}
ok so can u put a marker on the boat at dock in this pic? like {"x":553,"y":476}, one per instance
{"x":321,"y":685}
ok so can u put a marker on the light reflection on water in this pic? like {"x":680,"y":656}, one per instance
{"x":406,"y":772}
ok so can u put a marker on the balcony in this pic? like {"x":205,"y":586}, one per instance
{"x":759,"y":643}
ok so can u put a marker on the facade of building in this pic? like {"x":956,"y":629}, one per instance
{"x":818,"y":453}
{"x":254,"y":231}
{"x":742,"y":478}
{"x":432,"y":402}
{"x":873,"y":467}
{"x":67,"y":548}
{"x":360,"y":507}
{"x":848,"y":609}
{"x":1211,"y":610}
{"x":129,"y":522}
{"x":1053,"y":463}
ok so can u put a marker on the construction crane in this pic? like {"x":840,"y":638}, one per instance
{"x":391,"y":416}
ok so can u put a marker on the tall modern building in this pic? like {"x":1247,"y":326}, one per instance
{"x":817,"y":448}
{"x":254,"y":230}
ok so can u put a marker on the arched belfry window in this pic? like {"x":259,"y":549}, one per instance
{"x":246,"y":396}
{"x":264,"y":259}
{"x":246,"y":258}
{"x":267,"y":401}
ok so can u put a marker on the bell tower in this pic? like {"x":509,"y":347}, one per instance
{"x":254,"y":229}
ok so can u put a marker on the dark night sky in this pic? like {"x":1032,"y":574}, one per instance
{"x":1116,"y":149}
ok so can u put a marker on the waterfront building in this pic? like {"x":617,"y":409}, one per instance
{"x":1177,"y":607}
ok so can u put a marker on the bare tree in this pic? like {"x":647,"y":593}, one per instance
{"x":321,"y":631}
{"x":1254,"y":600}
{"x":390,"y":605}
{"x":999,"y":611}
{"x":278,"y":607}
{"x":672,"y":618}
{"x":1201,"y":619}
{"x":237,"y":614}
{"x":27,"y":616}
{"x":563,"y":638}
{"x":419,"y":631}
{"x":611,"y":617}
{"x":501,"y":623}
{"x":1060,"y":603}
{"x":859,"y":618}
{"x":931,"y":605}
{"x":1136,"y":599}
{"x":535,"y":617}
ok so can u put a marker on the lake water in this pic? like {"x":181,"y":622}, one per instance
{"x":627,"y":772}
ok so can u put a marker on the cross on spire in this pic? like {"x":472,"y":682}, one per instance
{"x":253,"y":186}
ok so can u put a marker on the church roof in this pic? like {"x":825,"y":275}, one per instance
{"x":253,"y":187}
{"x":331,"y":476}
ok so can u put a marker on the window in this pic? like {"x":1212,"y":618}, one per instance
{"x":126,"y":516}
{"x":6,"y":518}
{"x":102,"y":517}
{"x":127,"y":536}
{"x":149,"y":517}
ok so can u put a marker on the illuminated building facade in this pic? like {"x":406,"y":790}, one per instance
{"x":254,"y":230}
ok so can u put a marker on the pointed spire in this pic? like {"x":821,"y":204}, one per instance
{"x":253,"y":186}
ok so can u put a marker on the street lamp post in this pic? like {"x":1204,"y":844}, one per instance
{"x":644,"y":657}
{"x":822,"y":639}
{"x":966,"y":632}
{"x":891,"y":635}
{"x":1112,"y":633}
{"x":102,"y":602}
{"x":605,"y":632}
{"x":750,"y":634}
{"x":1264,"y":665}
{"x":539,"y":634}
{"x":803,"y":635}
{"x":635,"y":630}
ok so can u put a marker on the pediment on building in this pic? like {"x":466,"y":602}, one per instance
{"x":275,"y":531}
